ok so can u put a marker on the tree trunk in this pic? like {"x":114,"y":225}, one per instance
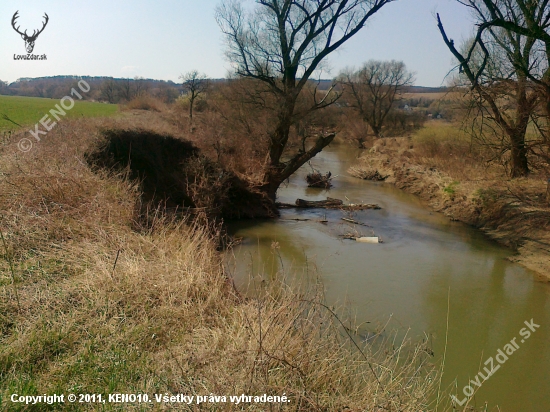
{"x":273,"y":175}
{"x":271,"y":185}
{"x":276,"y":171}
{"x":376,"y":129}
{"x":520,"y":167}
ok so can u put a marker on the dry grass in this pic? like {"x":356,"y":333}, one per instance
{"x":445,"y":147}
{"x":104,"y":308}
{"x":145,"y":102}
{"x":443,"y":166}
{"x":427,"y":96}
{"x":449,"y":95}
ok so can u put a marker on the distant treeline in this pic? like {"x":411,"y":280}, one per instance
{"x":103,"y":89}
{"x":118,"y":90}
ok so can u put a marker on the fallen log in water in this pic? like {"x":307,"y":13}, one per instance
{"x":306,"y":220}
{"x":330,"y":203}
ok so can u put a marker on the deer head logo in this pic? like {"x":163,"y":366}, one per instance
{"x":29,"y":40}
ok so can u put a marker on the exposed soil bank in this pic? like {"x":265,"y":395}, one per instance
{"x":511,"y":212}
{"x":174,"y":174}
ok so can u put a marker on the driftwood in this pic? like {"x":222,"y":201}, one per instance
{"x":330,"y":203}
{"x":355,"y":222}
{"x":316,"y":179}
{"x":306,"y":220}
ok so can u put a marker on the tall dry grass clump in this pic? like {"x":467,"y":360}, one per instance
{"x":448,"y":148}
{"x":95,"y":306}
{"x":146,"y":102}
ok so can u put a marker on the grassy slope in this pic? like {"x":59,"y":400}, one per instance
{"x":164,"y":318}
{"x":28,"y":111}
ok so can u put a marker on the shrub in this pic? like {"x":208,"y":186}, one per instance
{"x":442,"y":140}
{"x":145,"y":102}
{"x":400,"y":122}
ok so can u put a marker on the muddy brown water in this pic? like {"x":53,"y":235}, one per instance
{"x":406,"y":280}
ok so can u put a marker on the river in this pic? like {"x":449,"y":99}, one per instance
{"x":425,"y":261}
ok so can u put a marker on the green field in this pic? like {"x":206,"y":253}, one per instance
{"x":27,"y":111}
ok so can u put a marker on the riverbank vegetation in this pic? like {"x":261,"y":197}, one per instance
{"x":96,"y":298}
{"x":443,"y":165}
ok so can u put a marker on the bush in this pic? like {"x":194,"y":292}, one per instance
{"x":399,"y":122}
{"x":442,"y":140}
{"x":145,"y":102}
{"x":182,"y":103}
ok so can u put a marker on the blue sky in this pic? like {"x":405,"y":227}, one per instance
{"x":164,"y":38}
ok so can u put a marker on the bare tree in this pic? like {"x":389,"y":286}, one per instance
{"x":531,"y":20}
{"x":375,"y":88}
{"x":166,"y":92}
{"x":125,"y":89}
{"x":282,"y":44}
{"x":497,"y":64}
{"x":194,"y":84}
{"x":140,"y":86}
{"x":109,"y":91}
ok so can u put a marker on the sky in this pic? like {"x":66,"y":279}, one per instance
{"x":162,"y":39}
